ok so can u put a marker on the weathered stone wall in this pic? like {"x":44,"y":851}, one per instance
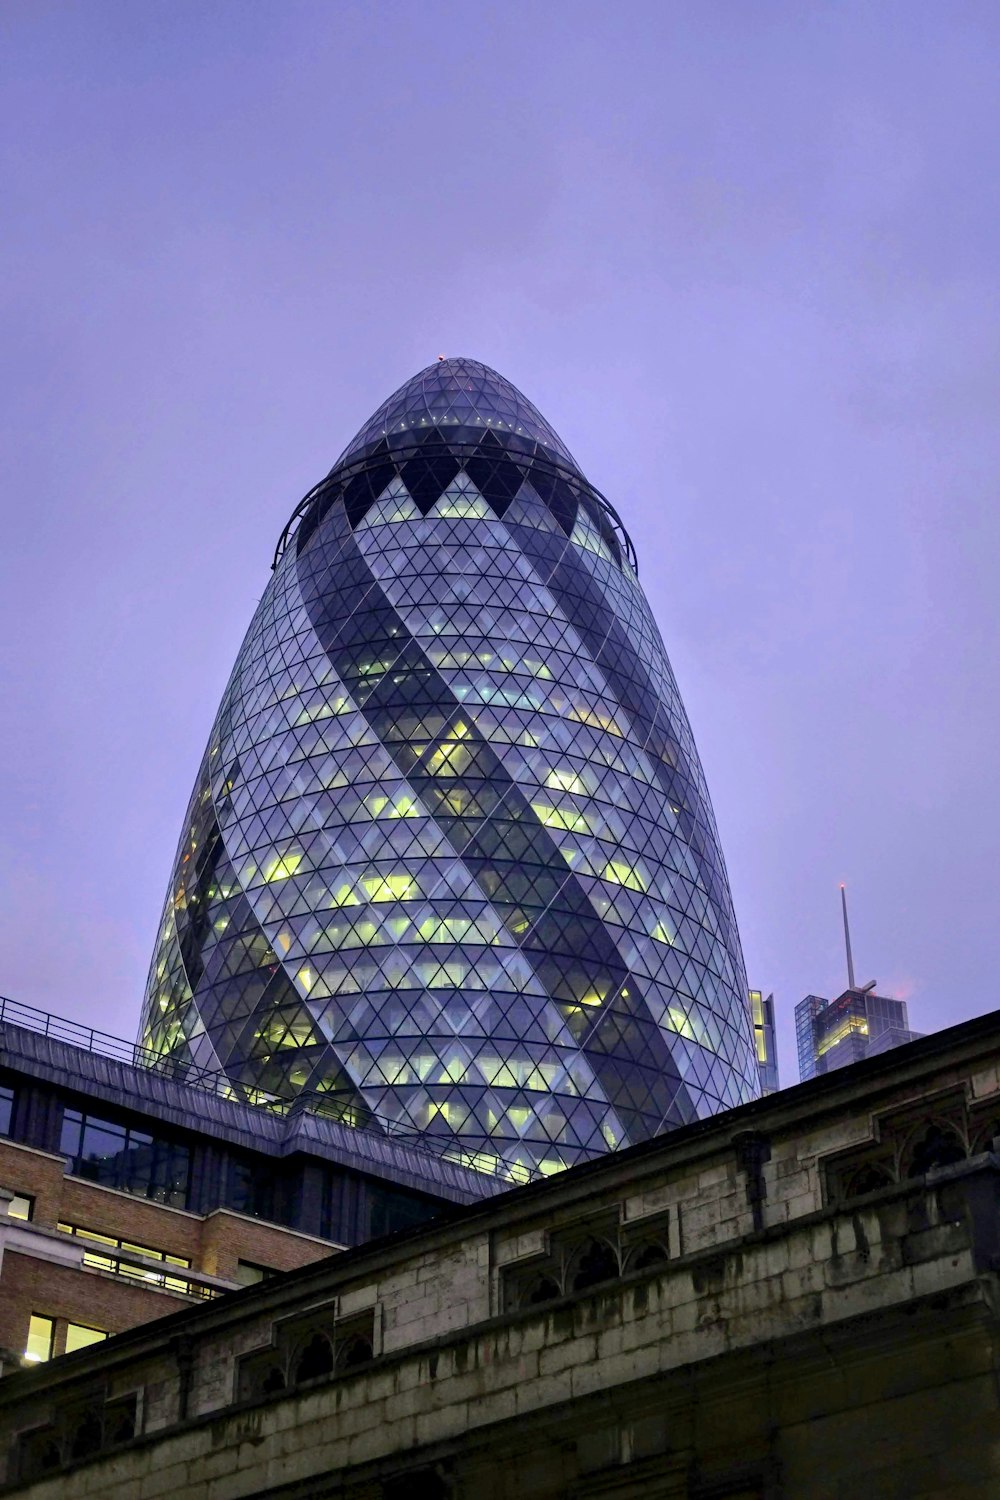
{"x":715,"y":1321}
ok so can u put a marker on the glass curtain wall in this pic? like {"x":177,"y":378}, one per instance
{"x":450,"y":859}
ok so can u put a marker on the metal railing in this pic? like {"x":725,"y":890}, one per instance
{"x":402,"y":450}
{"x":327,"y":1106}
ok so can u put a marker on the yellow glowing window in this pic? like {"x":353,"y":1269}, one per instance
{"x":404,"y":807}
{"x":661,"y":932}
{"x":306,"y":978}
{"x":78,"y":1336}
{"x":461,"y":507}
{"x":40,"y":1335}
{"x":584,"y":715}
{"x":679,"y":1022}
{"x":559,"y":817}
{"x":566,"y":781}
{"x":854,"y":1023}
{"x":622,"y":874}
{"x":345,"y":895}
{"x":450,"y":930}
{"x":390,"y":887}
{"x":280,"y":869}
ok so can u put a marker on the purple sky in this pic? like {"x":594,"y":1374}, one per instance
{"x":744,"y":257}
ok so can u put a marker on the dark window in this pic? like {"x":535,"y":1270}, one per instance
{"x":542,"y":1289}
{"x":937,"y":1147}
{"x":119,"y":1420}
{"x":354,"y":1350}
{"x":647,"y":1256}
{"x":596,"y":1262}
{"x":120,"y":1156}
{"x":38,"y":1453}
{"x":87,"y":1437}
{"x":867,"y":1179}
{"x":6,"y":1110}
{"x":315,"y":1360}
{"x":393,"y":1211}
{"x":250,"y":1188}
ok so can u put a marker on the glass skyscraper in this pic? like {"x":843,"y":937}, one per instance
{"x":450,"y":860}
{"x":833,"y":1034}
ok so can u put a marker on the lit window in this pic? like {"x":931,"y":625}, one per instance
{"x":78,"y":1336}
{"x":559,"y":817}
{"x":566,"y":781}
{"x":21,"y":1207}
{"x":681,"y":1023}
{"x":390,"y":887}
{"x":622,"y":874}
{"x":112,"y":1263}
{"x":345,"y":895}
{"x":249,"y":1274}
{"x":280,"y":869}
{"x":41,"y":1332}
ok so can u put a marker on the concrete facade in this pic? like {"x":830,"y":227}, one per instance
{"x":797,"y":1298}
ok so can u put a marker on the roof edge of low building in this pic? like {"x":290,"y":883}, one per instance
{"x":128,"y":1086}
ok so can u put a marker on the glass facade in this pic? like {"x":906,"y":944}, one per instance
{"x":450,"y":858}
{"x":120,"y":1156}
{"x":833,"y":1034}
{"x":762,"y":1016}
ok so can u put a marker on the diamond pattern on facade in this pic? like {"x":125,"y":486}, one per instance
{"x":450,"y":857}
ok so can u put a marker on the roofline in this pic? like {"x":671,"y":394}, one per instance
{"x":872,"y":1076}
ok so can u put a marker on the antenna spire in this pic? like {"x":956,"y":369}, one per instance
{"x":847,"y":937}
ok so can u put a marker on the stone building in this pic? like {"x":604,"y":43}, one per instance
{"x":797,"y":1298}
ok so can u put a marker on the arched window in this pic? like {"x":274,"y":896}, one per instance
{"x":353,"y":1351}
{"x":543,"y":1288}
{"x":867,"y":1179}
{"x":985,"y":1136}
{"x":119,"y":1420}
{"x":645,"y":1257}
{"x":273,"y":1380}
{"x":88,"y":1437}
{"x":938,"y":1146}
{"x":315,"y":1360}
{"x":594,"y":1263}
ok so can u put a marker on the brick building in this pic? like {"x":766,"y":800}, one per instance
{"x":125,"y":1191}
{"x":796,"y":1298}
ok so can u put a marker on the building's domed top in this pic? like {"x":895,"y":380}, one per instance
{"x":455,"y":393}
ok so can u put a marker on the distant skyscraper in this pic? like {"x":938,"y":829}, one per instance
{"x":834,"y":1033}
{"x":450,"y":858}
{"x":762,"y":1016}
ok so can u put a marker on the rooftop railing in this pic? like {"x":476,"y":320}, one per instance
{"x":325,"y":1105}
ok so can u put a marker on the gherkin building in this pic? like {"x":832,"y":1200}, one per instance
{"x":450,"y":867}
